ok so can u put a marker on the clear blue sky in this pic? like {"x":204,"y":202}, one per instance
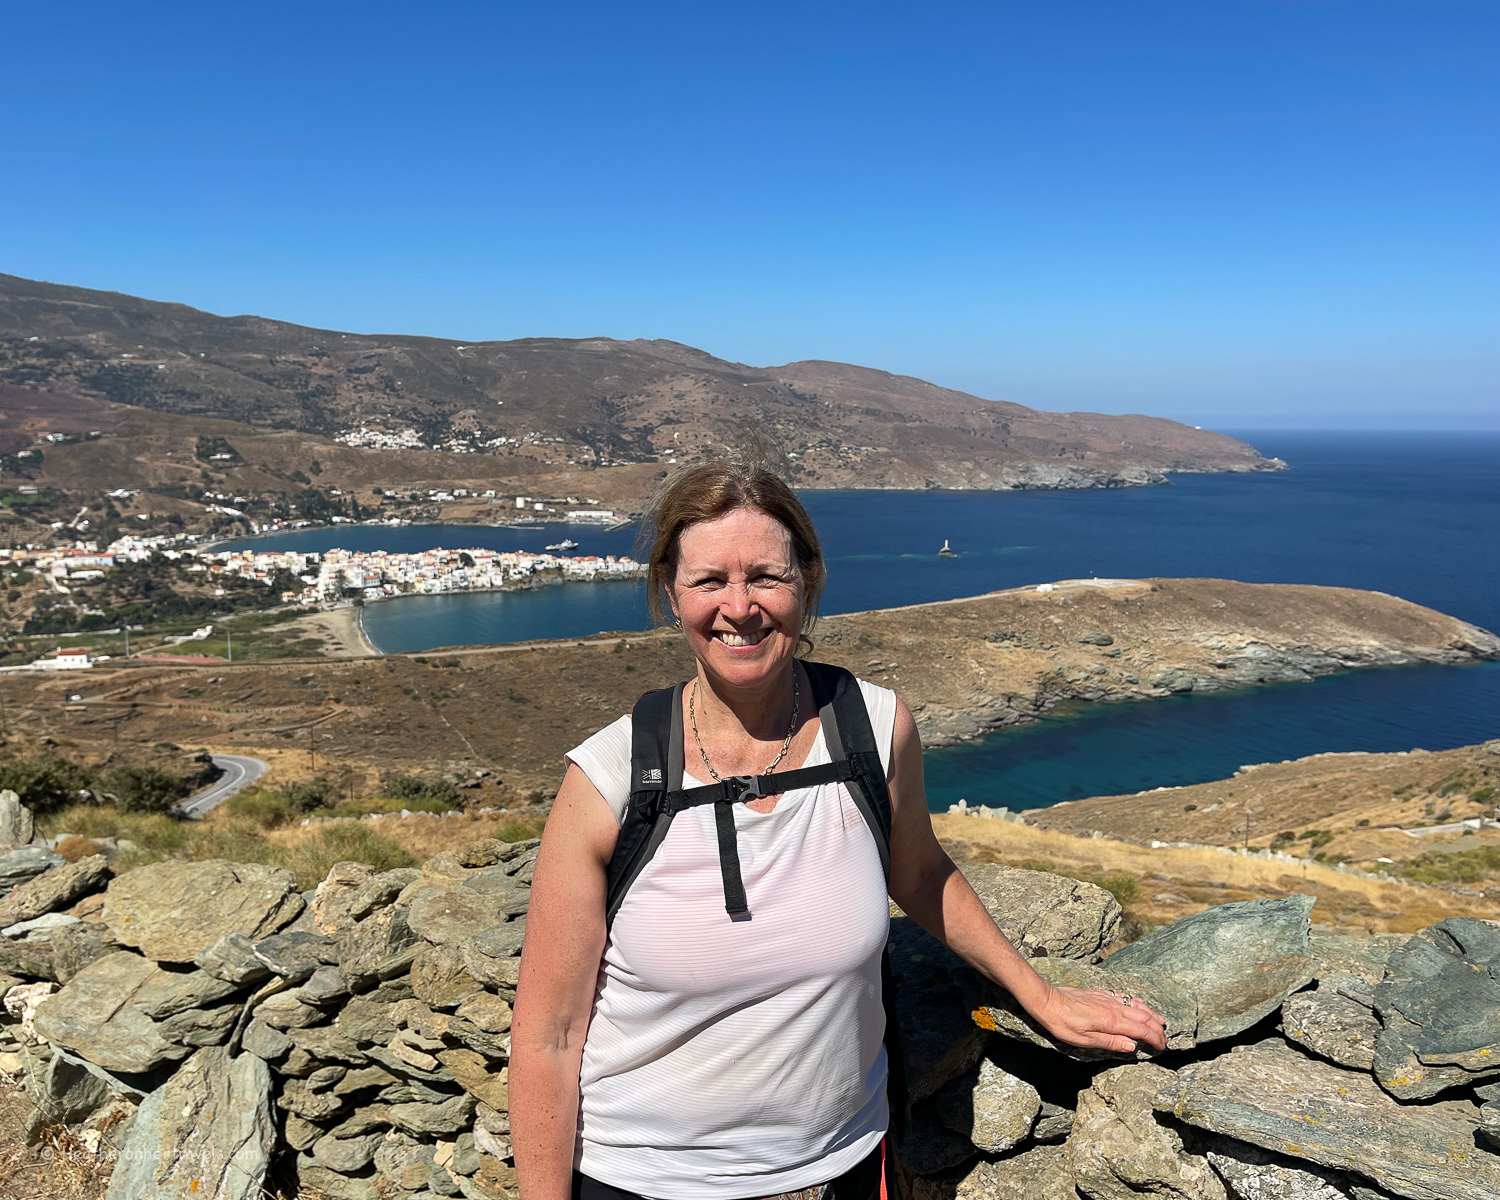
{"x":1236,"y":214}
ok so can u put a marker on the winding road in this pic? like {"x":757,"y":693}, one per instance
{"x":238,"y":771}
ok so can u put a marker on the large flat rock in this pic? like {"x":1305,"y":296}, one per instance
{"x":206,"y":1133}
{"x":451,"y":916}
{"x":54,"y":889}
{"x":25,"y":862}
{"x":1045,"y":914}
{"x":96,"y":1017}
{"x":1057,"y":919}
{"x":1281,"y":1100}
{"x":1240,"y":960}
{"x":1440,"y":1005}
{"x":174,"y":910}
{"x":1353,"y":952}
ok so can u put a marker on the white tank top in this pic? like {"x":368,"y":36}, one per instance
{"x":740,"y":1058}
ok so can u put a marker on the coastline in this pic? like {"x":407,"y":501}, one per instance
{"x":359,"y":628}
{"x":344,"y":629}
{"x":1068,"y":481}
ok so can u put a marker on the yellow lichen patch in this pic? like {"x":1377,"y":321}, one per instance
{"x":983,"y":1019}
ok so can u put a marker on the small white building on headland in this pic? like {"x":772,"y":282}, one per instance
{"x":66,"y":660}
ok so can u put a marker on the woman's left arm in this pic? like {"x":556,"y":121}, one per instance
{"x":933,"y":892}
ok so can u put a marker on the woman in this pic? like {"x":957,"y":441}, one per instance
{"x":685,"y":1051}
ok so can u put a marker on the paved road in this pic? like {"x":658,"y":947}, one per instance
{"x":238,"y":771}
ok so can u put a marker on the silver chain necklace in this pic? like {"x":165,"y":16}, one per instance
{"x":786,"y":742}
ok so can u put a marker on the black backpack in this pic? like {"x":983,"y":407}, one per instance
{"x":657,"y":795}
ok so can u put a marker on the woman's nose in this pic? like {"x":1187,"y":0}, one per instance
{"x":736,"y":600}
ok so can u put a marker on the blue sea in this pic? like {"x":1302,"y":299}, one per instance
{"x":1416,"y":515}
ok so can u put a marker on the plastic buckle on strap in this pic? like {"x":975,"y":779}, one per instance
{"x":748,"y":785}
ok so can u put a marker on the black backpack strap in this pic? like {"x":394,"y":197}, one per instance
{"x":655,"y":770}
{"x":850,"y":738}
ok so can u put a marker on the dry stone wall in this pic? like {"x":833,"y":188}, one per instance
{"x":220,"y":1034}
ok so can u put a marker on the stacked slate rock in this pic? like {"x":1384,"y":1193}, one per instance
{"x":1302,"y":1063}
{"x":222,"y":1035}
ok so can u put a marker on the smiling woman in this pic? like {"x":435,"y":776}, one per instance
{"x":700,"y":1011}
{"x":736,"y":558}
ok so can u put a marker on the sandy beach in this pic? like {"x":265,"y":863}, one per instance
{"x":342,"y":629}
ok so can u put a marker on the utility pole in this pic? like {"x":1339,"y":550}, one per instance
{"x":1249,"y":821}
{"x":229,"y":642}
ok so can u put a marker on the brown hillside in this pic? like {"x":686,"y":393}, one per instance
{"x":569,"y":409}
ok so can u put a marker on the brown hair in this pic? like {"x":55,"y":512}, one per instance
{"x":709,"y":491}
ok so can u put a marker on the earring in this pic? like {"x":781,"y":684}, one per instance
{"x":677,"y":624}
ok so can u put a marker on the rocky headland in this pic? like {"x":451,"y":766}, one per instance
{"x":969,"y":666}
{"x":204,"y":1029}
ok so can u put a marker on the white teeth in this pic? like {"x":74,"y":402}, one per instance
{"x":742,"y":639}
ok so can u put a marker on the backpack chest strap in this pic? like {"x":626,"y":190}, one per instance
{"x":737,"y":789}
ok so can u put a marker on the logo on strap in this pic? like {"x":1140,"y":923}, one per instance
{"x":651,"y":775}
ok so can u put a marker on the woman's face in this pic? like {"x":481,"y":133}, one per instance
{"x":738,"y":593}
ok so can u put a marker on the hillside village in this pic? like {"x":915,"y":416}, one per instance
{"x":333,"y":575}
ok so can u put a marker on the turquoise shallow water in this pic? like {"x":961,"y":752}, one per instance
{"x":1411,"y":514}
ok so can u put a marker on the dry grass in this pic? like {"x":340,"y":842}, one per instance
{"x":422,"y":836}
{"x":60,"y":1168}
{"x":1340,"y":806}
{"x":307,"y":851}
{"x":1202,"y":878}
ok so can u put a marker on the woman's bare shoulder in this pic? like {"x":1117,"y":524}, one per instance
{"x":604,"y":758}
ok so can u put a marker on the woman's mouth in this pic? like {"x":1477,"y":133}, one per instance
{"x":741,"y":639}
